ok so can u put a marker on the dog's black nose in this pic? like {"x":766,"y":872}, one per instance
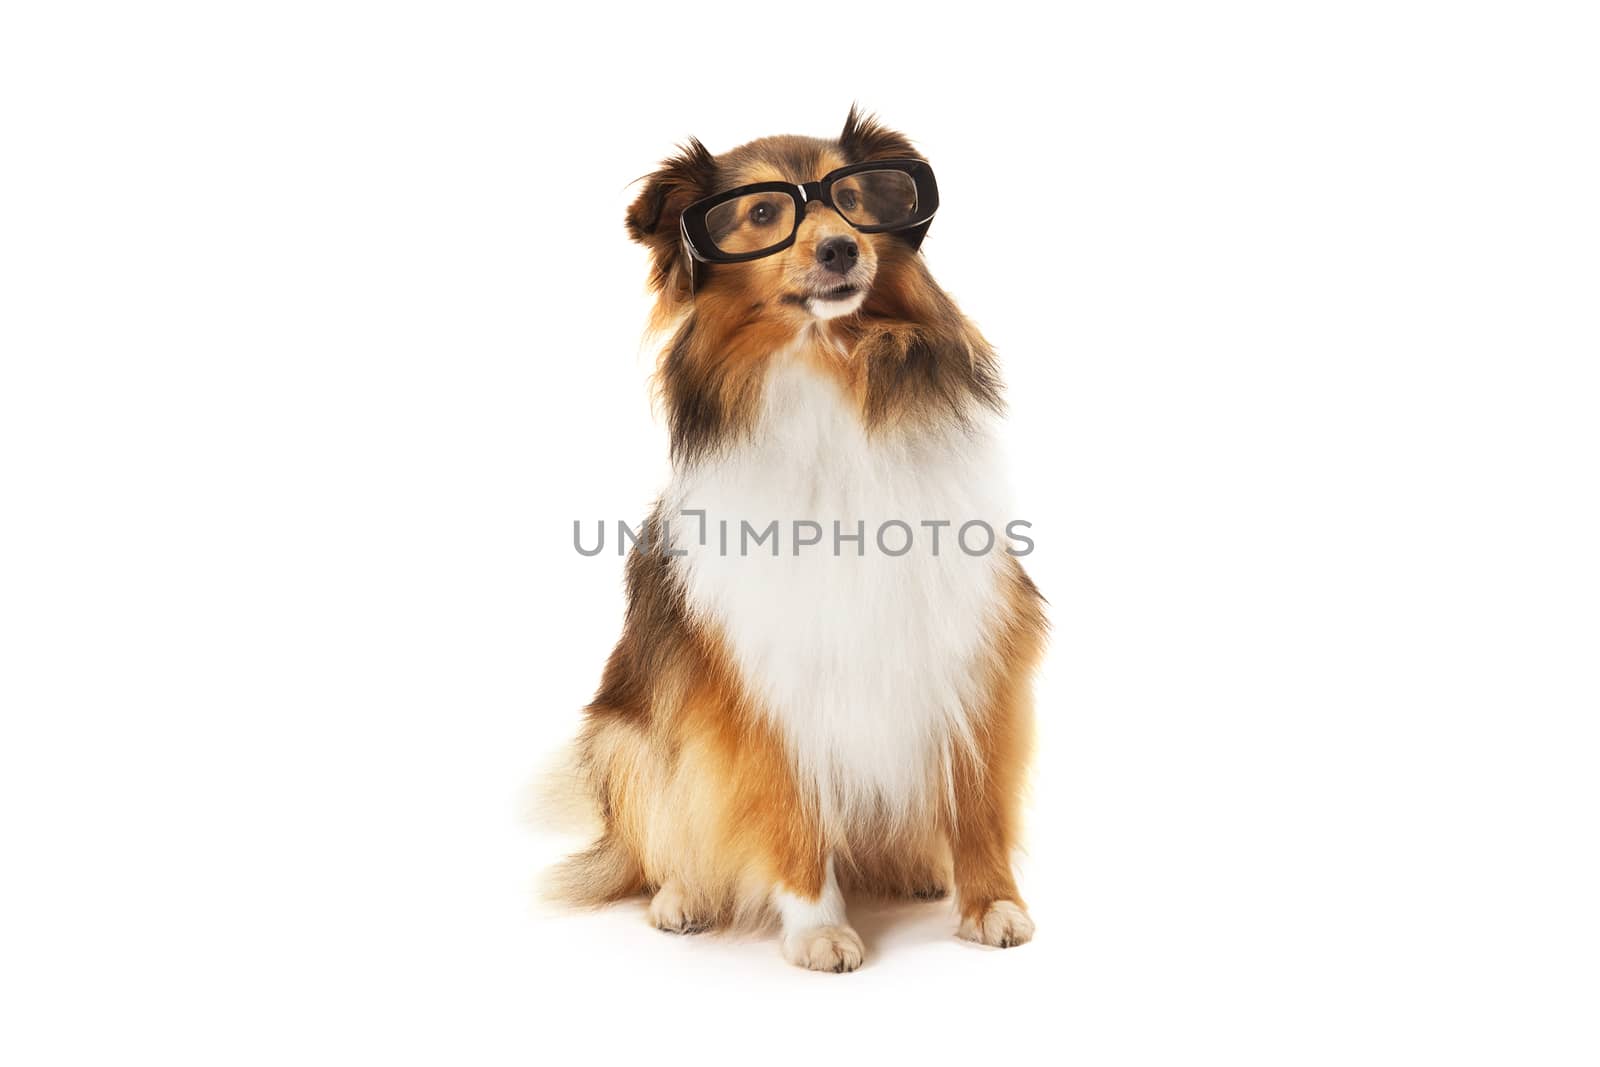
{"x":838,"y":254}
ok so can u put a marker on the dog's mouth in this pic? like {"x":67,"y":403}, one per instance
{"x":833,"y":301}
{"x":830,"y":298}
{"x":837,"y":292}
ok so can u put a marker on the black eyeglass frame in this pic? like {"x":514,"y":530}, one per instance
{"x":697,"y":235}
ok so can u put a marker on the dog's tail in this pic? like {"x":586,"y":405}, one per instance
{"x":565,"y":800}
{"x":601,"y":873}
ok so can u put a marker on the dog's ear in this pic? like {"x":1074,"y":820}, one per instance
{"x":864,"y":138}
{"x":652,"y":218}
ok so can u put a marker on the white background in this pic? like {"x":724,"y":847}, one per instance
{"x":319,"y":328}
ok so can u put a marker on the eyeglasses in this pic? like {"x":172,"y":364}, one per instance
{"x":757,"y":220}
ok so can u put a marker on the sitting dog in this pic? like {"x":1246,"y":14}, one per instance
{"x":818,"y":687}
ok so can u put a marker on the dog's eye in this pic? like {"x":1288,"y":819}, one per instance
{"x":762,"y":214}
{"x":847,"y":199}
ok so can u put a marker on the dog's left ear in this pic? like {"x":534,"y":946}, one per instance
{"x":864,"y":138}
{"x":652,"y":219}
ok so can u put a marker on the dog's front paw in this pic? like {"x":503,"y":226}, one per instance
{"x":824,"y":948}
{"x":1002,"y":924}
{"x":668,"y":912}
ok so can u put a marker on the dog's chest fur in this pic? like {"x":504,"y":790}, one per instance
{"x":867,"y":664}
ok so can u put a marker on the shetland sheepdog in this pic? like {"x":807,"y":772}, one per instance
{"x":823,"y":711}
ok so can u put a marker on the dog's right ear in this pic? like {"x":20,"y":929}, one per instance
{"x":653,"y":217}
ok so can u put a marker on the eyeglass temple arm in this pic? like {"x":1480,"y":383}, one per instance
{"x":688,"y":253}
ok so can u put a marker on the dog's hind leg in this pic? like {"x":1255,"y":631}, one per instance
{"x":672,"y":911}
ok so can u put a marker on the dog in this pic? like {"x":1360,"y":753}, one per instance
{"x":777,"y":726}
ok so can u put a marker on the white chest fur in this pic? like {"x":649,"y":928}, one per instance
{"x":867,"y":663}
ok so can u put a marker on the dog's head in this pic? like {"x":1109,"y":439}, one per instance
{"x":841,"y":232}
